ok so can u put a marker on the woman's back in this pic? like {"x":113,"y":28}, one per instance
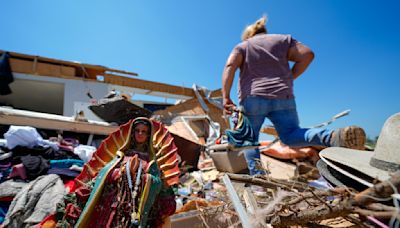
{"x":265,"y":70}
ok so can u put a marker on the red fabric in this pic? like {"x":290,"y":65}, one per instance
{"x":18,"y":171}
{"x":83,"y":193}
{"x":164,"y":207}
{"x":105,"y":209}
{"x":113,"y":211}
{"x":168,"y":206}
{"x":115,"y":175}
{"x":72,"y":211}
{"x":69,"y":185}
{"x":7,"y":199}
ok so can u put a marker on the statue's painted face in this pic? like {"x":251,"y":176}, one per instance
{"x":141,"y":133}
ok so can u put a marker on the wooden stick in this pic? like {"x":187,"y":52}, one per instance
{"x":377,"y":214}
{"x":318,"y":213}
{"x":383,"y":190}
{"x":256,"y":181}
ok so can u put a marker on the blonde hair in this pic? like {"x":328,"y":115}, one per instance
{"x":256,"y":28}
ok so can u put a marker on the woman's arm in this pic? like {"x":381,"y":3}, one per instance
{"x":233,"y":63}
{"x":302,"y":56}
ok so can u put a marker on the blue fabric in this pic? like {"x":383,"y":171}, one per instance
{"x":3,"y":210}
{"x":251,"y":156}
{"x":243,"y":135}
{"x":4,"y":172}
{"x":64,"y":173}
{"x":283,"y":115}
{"x":65,"y":163}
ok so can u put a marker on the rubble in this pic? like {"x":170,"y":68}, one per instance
{"x":290,"y":197}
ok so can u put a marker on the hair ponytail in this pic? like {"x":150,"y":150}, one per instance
{"x":256,"y":28}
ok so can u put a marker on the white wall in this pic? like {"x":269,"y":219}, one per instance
{"x":33,"y":95}
{"x":75,"y":94}
{"x":76,"y":98}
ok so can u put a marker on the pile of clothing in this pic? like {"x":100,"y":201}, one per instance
{"x":35,"y":174}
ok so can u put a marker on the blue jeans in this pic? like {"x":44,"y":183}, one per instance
{"x":283,"y":115}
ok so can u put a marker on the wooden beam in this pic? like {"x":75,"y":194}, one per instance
{"x":148,"y":85}
{"x":216,"y":93}
{"x":66,"y":63}
{"x":53,"y":122}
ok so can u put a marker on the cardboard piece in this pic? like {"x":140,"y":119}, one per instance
{"x":229,"y":161}
{"x":278,"y":169}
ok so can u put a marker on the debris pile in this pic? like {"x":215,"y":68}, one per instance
{"x":308,"y":187}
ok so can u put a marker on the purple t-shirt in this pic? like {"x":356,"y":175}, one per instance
{"x":265,"y":70}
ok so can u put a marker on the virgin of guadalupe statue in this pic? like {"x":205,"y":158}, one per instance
{"x":129,"y":181}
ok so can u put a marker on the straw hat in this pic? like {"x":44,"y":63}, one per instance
{"x":364,"y":166}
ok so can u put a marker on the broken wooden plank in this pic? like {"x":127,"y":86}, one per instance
{"x":249,"y":199}
{"x":66,"y":63}
{"x":236,"y":202}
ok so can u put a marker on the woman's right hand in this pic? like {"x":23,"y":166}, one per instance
{"x":229,"y":106}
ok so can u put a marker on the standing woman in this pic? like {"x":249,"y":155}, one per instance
{"x":265,"y":90}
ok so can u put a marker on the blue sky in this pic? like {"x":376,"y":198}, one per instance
{"x":356,"y":45}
